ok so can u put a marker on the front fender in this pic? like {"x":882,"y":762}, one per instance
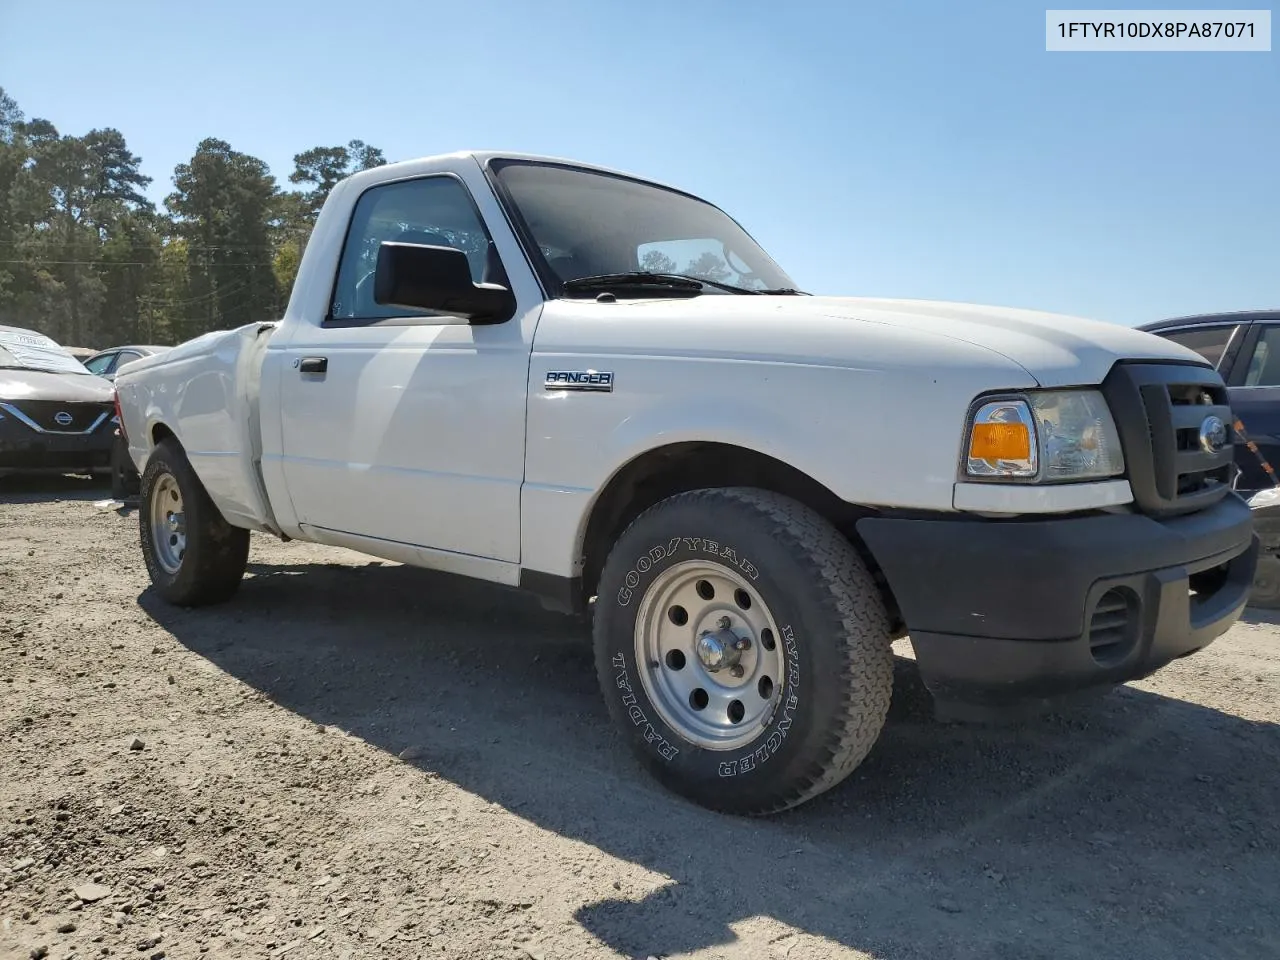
{"x":872,"y":436}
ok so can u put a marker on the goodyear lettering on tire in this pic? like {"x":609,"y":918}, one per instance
{"x":662,"y":551}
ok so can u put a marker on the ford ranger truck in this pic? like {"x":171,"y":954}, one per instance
{"x":600,"y":389}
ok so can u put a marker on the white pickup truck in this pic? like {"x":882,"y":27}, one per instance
{"x":600,"y":389}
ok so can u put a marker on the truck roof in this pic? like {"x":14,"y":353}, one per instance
{"x":1231,"y":316}
{"x":483,"y":157}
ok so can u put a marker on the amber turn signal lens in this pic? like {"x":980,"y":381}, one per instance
{"x":1000,"y":441}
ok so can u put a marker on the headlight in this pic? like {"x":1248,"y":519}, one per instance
{"x":1043,"y":436}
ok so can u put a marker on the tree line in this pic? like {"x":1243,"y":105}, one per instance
{"x":87,"y":259}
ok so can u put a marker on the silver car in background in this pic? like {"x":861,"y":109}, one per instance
{"x":105,"y":363}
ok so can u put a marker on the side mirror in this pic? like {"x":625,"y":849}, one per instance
{"x":437,"y":278}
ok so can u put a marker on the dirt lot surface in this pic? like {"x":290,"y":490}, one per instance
{"x":355,"y":759}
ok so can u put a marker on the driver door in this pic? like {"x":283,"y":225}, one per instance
{"x":399,"y":424}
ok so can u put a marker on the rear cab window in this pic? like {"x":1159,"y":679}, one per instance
{"x":704,"y":258}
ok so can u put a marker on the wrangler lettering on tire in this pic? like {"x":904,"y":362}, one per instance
{"x":743,"y":649}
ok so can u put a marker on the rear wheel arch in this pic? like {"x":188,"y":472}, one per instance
{"x":161,"y":432}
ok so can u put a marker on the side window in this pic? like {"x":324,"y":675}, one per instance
{"x":127,"y":356}
{"x":100,"y":364}
{"x":1209,"y":342}
{"x":702,"y":258}
{"x":1264,"y":365}
{"x":434,"y":210}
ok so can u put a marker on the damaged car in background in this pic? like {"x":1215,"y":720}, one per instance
{"x":55,"y":416}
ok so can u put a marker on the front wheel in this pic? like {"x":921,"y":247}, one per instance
{"x":743,"y":648}
{"x":193,"y":555}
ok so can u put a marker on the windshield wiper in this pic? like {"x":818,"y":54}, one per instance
{"x":672,"y":281}
{"x":599,"y":281}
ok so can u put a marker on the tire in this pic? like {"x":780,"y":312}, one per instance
{"x":125,"y":482}
{"x":205,"y":559}
{"x":1265,"y":593}
{"x":813,"y":614}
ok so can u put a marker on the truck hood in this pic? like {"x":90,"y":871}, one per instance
{"x":41,"y":385}
{"x":1056,"y":350}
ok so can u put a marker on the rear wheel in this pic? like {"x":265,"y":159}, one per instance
{"x":193,"y":555}
{"x":743,"y":648}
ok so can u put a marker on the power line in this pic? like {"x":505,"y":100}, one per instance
{"x":260,"y":265}
{"x":144,"y":245}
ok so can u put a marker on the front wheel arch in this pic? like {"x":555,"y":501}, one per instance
{"x":667,"y":471}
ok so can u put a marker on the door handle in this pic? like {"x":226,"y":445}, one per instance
{"x":314,"y":365}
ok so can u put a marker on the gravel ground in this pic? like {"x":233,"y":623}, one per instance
{"x":354,"y":759}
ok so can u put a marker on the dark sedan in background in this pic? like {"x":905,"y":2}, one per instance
{"x":1245,"y":347}
{"x":54,"y":414}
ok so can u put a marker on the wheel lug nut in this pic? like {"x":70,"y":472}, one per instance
{"x":725,"y":623}
{"x":736,"y":670}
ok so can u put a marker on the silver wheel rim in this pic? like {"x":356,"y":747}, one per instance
{"x":168,"y":523}
{"x":710,"y":655}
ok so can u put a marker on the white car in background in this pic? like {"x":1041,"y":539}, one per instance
{"x":54,"y":414}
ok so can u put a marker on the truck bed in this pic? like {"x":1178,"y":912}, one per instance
{"x":208,"y":390}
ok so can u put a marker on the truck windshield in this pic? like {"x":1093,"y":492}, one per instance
{"x":588,"y":224}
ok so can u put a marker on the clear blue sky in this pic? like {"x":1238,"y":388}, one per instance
{"x":923,"y":149}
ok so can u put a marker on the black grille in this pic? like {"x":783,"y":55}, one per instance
{"x":45,"y":413}
{"x":1113,"y":627}
{"x":1159,"y":409}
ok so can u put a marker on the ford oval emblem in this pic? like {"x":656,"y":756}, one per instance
{"x":62,"y":418}
{"x":1213,"y":435}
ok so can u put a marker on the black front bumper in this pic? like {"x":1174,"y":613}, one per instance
{"x":1005,"y":614}
{"x":23,"y":449}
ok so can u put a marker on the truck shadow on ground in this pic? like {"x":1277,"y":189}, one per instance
{"x":1258,"y":615}
{"x":51,"y":488}
{"x":1141,"y":826}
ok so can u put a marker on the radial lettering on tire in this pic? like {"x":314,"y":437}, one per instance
{"x":664,"y":747}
